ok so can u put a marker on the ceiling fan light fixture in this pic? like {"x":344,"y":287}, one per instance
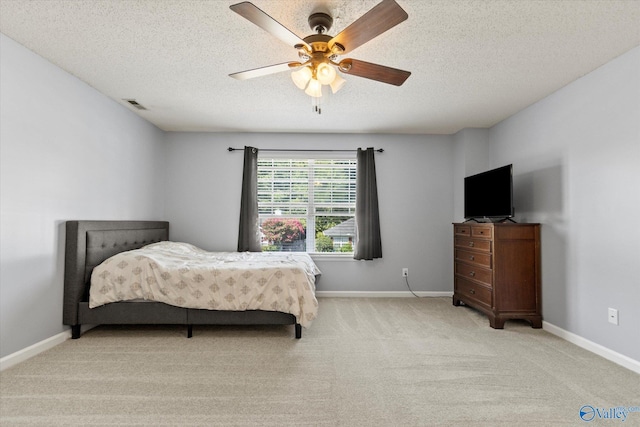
{"x":314,"y":89}
{"x":325,"y":73}
{"x":337,"y":83}
{"x":301,"y":77}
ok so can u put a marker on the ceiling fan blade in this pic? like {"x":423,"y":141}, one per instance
{"x":383,"y":74}
{"x":265,"y":71}
{"x":249,"y":11}
{"x":385,"y":15}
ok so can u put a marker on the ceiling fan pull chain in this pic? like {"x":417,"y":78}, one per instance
{"x":316,"y":106}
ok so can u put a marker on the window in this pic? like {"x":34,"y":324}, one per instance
{"x":307,"y":205}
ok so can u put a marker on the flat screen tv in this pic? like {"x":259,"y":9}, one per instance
{"x":489,"y":194}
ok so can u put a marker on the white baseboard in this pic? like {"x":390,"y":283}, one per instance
{"x":382,"y":294}
{"x":608,"y":354}
{"x":33,"y":350}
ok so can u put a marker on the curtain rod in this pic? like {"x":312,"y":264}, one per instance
{"x":379,"y":150}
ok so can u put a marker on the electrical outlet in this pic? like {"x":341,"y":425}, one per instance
{"x":613,"y":316}
{"x":405,"y":272}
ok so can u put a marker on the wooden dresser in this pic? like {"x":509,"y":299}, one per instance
{"x":497,"y":270}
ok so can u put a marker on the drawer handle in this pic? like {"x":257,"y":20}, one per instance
{"x":471,"y":257}
{"x":472,"y":273}
{"x":471,"y":244}
{"x":481,"y":232}
{"x":472,"y":291}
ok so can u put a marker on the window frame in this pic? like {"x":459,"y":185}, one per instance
{"x":311,"y":155}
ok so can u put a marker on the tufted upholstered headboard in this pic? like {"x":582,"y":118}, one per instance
{"x":88,"y":243}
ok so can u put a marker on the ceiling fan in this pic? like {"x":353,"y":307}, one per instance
{"x":319,"y":52}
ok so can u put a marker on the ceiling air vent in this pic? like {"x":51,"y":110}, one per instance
{"x":135,"y":104}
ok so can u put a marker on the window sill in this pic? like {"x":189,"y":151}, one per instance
{"x":329,"y":256}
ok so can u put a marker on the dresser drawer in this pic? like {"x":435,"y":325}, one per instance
{"x":473,"y":272}
{"x":479,"y":258}
{"x":462,"y":230}
{"x":468,"y":289}
{"x":482,"y":231}
{"x":477,"y":244}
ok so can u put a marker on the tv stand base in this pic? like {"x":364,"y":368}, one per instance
{"x":490,"y":220}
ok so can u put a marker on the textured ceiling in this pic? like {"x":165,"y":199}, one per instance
{"x":473,"y":63}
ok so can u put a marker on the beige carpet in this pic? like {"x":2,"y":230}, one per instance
{"x":364,"y":362}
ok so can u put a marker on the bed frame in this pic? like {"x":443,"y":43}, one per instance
{"x":88,"y":243}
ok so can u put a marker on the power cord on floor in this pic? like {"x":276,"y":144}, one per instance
{"x":406,"y":278}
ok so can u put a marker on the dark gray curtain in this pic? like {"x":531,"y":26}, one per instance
{"x":368,"y":242}
{"x":249,"y":231}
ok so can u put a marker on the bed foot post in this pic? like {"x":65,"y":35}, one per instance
{"x":189,"y":331}
{"x":298,"y":331}
{"x":75,"y":332}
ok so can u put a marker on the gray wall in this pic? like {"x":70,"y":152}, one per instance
{"x":576,"y":157}
{"x":67,"y":152}
{"x":414,"y":188}
{"x":471,"y":156}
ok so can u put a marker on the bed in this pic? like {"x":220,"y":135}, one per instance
{"x":90,"y":243}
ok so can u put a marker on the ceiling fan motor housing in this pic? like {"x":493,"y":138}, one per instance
{"x":318,"y":42}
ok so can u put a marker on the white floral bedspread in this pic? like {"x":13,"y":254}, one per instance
{"x":183,"y":275}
